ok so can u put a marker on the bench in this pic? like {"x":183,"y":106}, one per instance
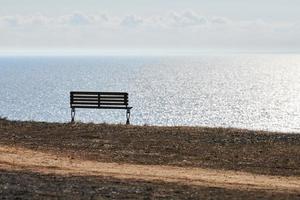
{"x":99,"y":100}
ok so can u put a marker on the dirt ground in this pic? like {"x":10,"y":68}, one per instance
{"x":88,"y":161}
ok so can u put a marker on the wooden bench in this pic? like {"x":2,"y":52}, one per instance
{"x":99,"y":100}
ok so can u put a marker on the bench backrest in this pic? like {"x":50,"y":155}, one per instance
{"x":103,"y":100}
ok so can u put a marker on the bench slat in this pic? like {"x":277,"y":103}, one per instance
{"x":84,"y":106}
{"x":119,"y":104}
{"x":104,"y":100}
{"x":84,"y":96}
{"x":102,"y":107}
{"x":96,"y":97}
{"x":85,"y":103}
{"x":113,"y":100}
{"x":91,"y":103}
{"x":113,"y":93}
{"x":113,"y":107}
{"x":84,"y":93}
{"x":96,"y":93}
{"x":112,"y":97}
{"x":101,"y":100}
{"x":79,"y":99}
{"x":101,"y":96}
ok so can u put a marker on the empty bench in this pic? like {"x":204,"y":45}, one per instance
{"x":99,"y":100}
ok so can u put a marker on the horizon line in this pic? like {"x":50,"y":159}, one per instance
{"x":134,"y":52}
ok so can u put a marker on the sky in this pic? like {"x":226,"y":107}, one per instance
{"x":150,"y":25}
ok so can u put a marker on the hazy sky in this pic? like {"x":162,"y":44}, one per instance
{"x":214,"y":25}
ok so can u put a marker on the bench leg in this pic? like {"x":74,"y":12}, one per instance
{"x":128,"y":117}
{"x":72,"y":115}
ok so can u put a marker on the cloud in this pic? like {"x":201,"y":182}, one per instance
{"x":73,"y":19}
{"x":169,"y":20}
{"x":29,"y":20}
{"x":219,"y":20}
{"x":172,"y":29}
{"x":186,"y":18}
{"x":131,"y":21}
{"x":78,"y":19}
{"x":10,"y":20}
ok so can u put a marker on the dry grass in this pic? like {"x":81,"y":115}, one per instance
{"x":220,"y":148}
{"x":212,"y":148}
{"x":29,"y":185}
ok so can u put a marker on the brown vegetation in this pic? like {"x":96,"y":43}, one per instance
{"x":261,"y":153}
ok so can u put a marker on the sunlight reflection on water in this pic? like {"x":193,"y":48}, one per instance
{"x":245,"y":91}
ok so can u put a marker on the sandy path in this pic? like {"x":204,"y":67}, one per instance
{"x":12,"y":158}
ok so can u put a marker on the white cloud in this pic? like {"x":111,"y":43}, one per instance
{"x":173,"y":29}
{"x":171,"y":20}
{"x":29,"y":20}
{"x":220,"y":20}
{"x":78,"y":19}
{"x":74,"y":19}
{"x":131,"y":21}
{"x":184,"y":19}
{"x":10,"y":20}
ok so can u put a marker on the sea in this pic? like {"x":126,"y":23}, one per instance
{"x":248,"y":91}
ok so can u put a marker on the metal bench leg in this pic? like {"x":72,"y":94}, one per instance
{"x":128,"y":117}
{"x":72,"y":115}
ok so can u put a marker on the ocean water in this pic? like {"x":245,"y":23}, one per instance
{"x":242,"y":91}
